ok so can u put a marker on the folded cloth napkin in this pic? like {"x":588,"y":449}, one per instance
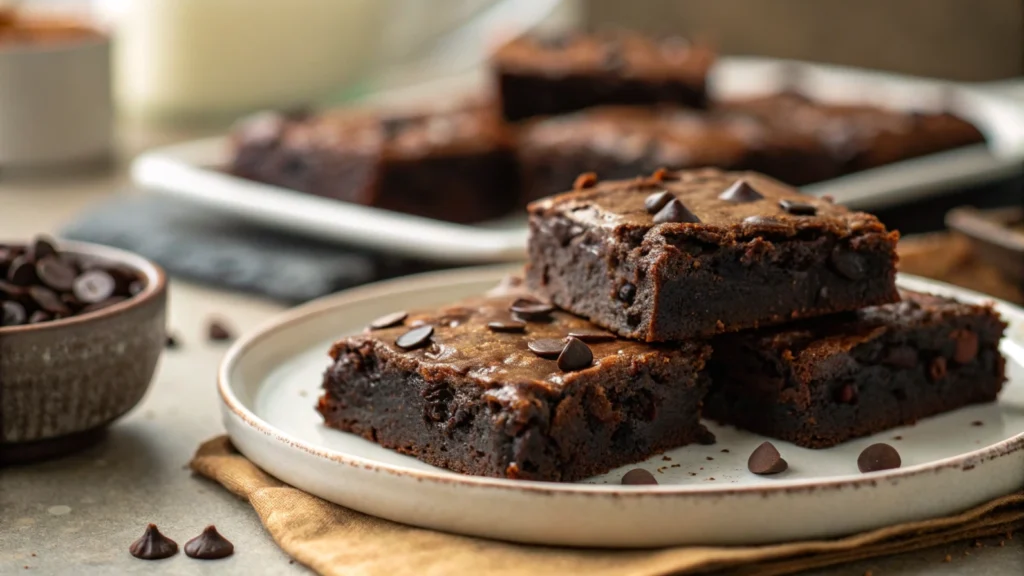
{"x":333,"y":540}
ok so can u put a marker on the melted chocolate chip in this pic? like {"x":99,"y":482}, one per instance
{"x":675,"y":211}
{"x":765,"y":460}
{"x":592,"y":335}
{"x":415,"y":338}
{"x":506,"y":326}
{"x":575,"y":356}
{"x":153,"y":545}
{"x":546,"y":347}
{"x":389,"y":320}
{"x":966,"y":346}
{"x":798,"y":208}
{"x":655,"y":202}
{"x":740,"y":192}
{"x":878,"y":457}
{"x":209,"y":545}
{"x":529,"y":309}
{"x":638,"y":477}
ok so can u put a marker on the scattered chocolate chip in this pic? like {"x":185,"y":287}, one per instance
{"x":798,"y":208}
{"x":575,"y":356}
{"x":55,"y":273}
{"x":216,"y":331}
{"x":901,"y":357}
{"x":674,"y":211}
{"x":847,"y":394}
{"x":878,"y":457}
{"x":592,"y":336}
{"x":13,"y":313}
{"x":765,"y":460}
{"x":937,"y":368}
{"x":584,"y":181}
{"x":21,"y":271}
{"x":638,"y":477}
{"x":740,"y":192}
{"x":153,"y":545}
{"x":966,"y":346}
{"x":507,"y":326}
{"x":528,"y":309}
{"x":546,"y":347}
{"x":94,"y":286}
{"x":171,"y":343}
{"x":209,"y":545}
{"x":655,"y":202}
{"x":48,"y":300}
{"x":848,"y":263}
{"x":389,"y":320}
{"x":415,"y":338}
{"x":627,"y":292}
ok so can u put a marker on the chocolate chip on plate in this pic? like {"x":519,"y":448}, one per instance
{"x":546,"y":347}
{"x":877,"y":457}
{"x":216,"y":331}
{"x":153,"y":545}
{"x":56,"y":273}
{"x":507,"y":326}
{"x":575,"y":356}
{"x":415,"y":338}
{"x":740,"y":192}
{"x":209,"y":545}
{"x":13,"y":313}
{"x":592,"y":336}
{"x":94,"y":286}
{"x":966,"y":346}
{"x":766,"y":460}
{"x":389,"y":320}
{"x":655,"y":202}
{"x":638,"y":477}
{"x":798,"y":208}
{"x":529,"y":309}
{"x":674,"y":211}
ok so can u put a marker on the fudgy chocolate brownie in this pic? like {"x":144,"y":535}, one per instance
{"x":822,"y":381}
{"x":695,"y":253}
{"x":509,"y":387}
{"x":623,"y":141}
{"x":540,"y":76}
{"x":457,"y":165}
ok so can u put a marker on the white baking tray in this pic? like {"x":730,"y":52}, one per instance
{"x":191,"y":170}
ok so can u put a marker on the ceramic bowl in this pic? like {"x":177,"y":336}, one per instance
{"x":62,"y":382}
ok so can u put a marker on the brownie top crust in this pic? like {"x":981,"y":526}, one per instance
{"x":706,"y":204}
{"x":465,"y":347}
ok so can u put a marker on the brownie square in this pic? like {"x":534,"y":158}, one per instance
{"x":475,"y":399}
{"x":454,"y":164}
{"x":824,"y":381}
{"x":541,"y":76}
{"x":696,"y":253}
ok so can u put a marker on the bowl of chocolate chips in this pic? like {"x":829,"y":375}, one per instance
{"x":81,"y":330}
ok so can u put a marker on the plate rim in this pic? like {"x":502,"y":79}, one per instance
{"x":435,"y":279}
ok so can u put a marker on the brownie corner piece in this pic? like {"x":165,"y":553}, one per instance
{"x":474,"y":390}
{"x":695,"y":253}
{"x":823,"y":381}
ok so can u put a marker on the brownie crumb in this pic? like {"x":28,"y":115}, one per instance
{"x":709,"y":458}
{"x":725,"y":450}
{"x":977,"y":423}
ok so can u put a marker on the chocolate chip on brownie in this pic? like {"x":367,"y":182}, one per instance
{"x":415,"y":338}
{"x":655,"y":202}
{"x":575,"y":356}
{"x":798,"y":208}
{"x":528,"y":309}
{"x":674,"y":211}
{"x":766,"y":460}
{"x":389,"y":320}
{"x":638,"y":477}
{"x":546,"y":347}
{"x":740,"y":192}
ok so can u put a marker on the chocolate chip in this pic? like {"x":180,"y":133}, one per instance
{"x":94,"y":286}
{"x":43,"y":247}
{"x":507,"y":326}
{"x":798,"y":208}
{"x":584,"y":181}
{"x":878,"y":457}
{"x":966,"y":346}
{"x":415,"y":338}
{"x":56,"y":273}
{"x":103,"y":304}
{"x":627,"y":292}
{"x":528,"y":309}
{"x":216,"y":331}
{"x":765,"y":460}
{"x":153,"y":545}
{"x":547,"y":347}
{"x":767,"y":224}
{"x":389,"y":320}
{"x":674,"y":211}
{"x":592,"y":335}
{"x":847,"y":394}
{"x":170,"y":342}
{"x":13,"y":314}
{"x":39,"y":316}
{"x":48,"y":300}
{"x":740,"y":192}
{"x":22,"y":271}
{"x":977,"y":423}
{"x":638,"y":477}
{"x":209,"y":545}
{"x":575,"y":356}
{"x":655,"y":202}
{"x":937,"y":368}
{"x":901,"y":357}
{"x":848,"y":263}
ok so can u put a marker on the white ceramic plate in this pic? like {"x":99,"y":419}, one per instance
{"x":270,"y":380}
{"x":190,"y":170}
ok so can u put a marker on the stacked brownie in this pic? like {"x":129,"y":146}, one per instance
{"x":651,"y":302}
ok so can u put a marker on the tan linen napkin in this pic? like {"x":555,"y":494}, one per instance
{"x":333,"y":540}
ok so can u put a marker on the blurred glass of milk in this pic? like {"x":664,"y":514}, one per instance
{"x":212,"y":60}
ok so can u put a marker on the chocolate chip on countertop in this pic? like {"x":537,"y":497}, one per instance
{"x":216,"y":331}
{"x":847,"y":263}
{"x":575,"y":356}
{"x":655,"y":202}
{"x":584,"y":181}
{"x":878,"y":457}
{"x":638,"y":477}
{"x":592,"y":336}
{"x":528,"y":309}
{"x":506,"y":326}
{"x":766,"y":460}
{"x":547,"y":347}
{"x":966,"y":346}
{"x":389,"y":320}
{"x":740,"y":192}
{"x":415,"y":338}
{"x":798,"y":208}
{"x":94,"y":286}
{"x":153,"y":545}
{"x":13,"y":314}
{"x":675,"y":211}
{"x":937,"y":368}
{"x":209,"y":545}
